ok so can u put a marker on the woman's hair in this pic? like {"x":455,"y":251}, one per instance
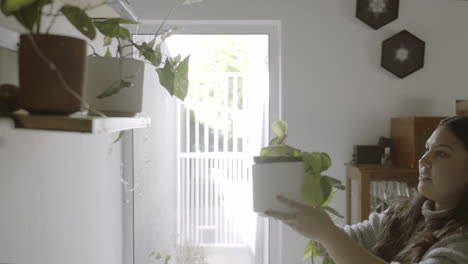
{"x":401,"y":238}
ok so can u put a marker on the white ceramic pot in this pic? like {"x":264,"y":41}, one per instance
{"x":272,"y":179}
{"x":9,"y":67}
{"x":102,"y":72}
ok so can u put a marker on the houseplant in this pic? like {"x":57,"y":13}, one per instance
{"x":51,"y":67}
{"x":171,"y":70}
{"x":282,"y":169}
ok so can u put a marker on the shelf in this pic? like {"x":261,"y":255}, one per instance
{"x":113,"y":9}
{"x":85,"y":124}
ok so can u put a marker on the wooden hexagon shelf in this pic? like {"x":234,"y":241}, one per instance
{"x":377,"y":13}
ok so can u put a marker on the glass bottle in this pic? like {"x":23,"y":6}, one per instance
{"x":386,"y":159}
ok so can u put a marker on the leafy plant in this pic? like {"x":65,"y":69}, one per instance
{"x":317,"y":189}
{"x":172,"y":71}
{"x":30,"y":13}
{"x":185,"y":253}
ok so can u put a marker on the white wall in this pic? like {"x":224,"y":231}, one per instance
{"x":334,"y":92}
{"x":155,"y":173}
{"x":61,"y":199}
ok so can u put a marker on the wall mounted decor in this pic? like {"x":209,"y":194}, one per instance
{"x":403,"y":54}
{"x":377,"y":13}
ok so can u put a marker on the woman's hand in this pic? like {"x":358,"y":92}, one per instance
{"x":311,"y":222}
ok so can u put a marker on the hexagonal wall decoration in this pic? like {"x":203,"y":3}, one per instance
{"x":403,"y":54}
{"x":377,"y":13}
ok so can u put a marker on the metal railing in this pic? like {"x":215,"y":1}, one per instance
{"x":216,"y":145}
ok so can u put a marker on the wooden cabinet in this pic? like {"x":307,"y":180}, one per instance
{"x":358,"y":179}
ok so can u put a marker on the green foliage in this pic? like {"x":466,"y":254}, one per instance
{"x":80,"y":20}
{"x":112,"y":28}
{"x":10,"y":6}
{"x":29,"y":14}
{"x":173,"y":73}
{"x":115,"y":88}
{"x":314,"y":250}
{"x":121,"y":135}
{"x":317,"y":190}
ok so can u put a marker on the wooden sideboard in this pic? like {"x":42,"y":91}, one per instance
{"x":358,"y":179}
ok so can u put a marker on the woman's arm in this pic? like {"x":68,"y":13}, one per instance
{"x":344,"y":250}
{"x":316,"y":224}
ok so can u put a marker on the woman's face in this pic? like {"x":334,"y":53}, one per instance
{"x":443,"y":169}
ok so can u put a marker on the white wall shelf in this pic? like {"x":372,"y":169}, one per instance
{"x":85,"y":124}
{"x":112,"y":9}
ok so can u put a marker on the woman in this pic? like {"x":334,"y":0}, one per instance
{"x":431,"y":228}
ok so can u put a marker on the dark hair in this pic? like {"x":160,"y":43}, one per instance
{"x":402,"y":218}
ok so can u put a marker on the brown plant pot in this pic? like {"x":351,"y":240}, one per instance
{"x":41,"y":90}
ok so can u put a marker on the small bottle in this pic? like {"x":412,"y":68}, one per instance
{"x":386,"y":159}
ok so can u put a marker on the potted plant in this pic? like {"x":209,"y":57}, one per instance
{"x":51,"y":67}
{"x":110,"y":75}
{"x":283,"y":170}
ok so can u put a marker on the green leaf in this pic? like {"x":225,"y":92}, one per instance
{"x":168,"y":258}
{"x":327,"y":189}
{"x":277,"y":140}
{"x":326,"y":161}
{"x":328,"y":199}
{"x":313,"y":162}
{"x":335,"y":182}
{"x":28,"y":17}
{"x":340,"y":187}
{"x":176,"y":60}
{"x":157,"y":56}
{"x":151,"y":43}
{"x":166,"y":34}
{"x":158,"y":256}
{"x":108,"y":53}
{"x":166,"y":77}
{"x":308,"y":250}
{"x":112,"y":27}
{"x":280,"y":128}
{"x":333,"y":211}
{"x":152,"y":55}
{"x":115,"y":88}
{"x":107,"y":41}
{"x":314,"y":249}
{"x":8,"y":7}
{"x":280,"y":151}
{"x":328,"y":260}
{"x":311,"y":190}
{"x":121,"y":135}
{"x":78,"y":18}
{"x":181,"y":79}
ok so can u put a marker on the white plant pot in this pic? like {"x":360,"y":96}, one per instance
{"x":272,"y":179}
{"x":9,"y":67}
{"x":102,"y":72}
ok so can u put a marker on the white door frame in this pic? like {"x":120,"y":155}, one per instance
{"x":273,"y":29}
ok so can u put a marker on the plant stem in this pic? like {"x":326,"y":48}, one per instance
{"x":38,"y":29}
{"x":165,"y":19}
{"x":94,"y":50}
{"x":120,"y":51}
{"x":52,"y":21}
